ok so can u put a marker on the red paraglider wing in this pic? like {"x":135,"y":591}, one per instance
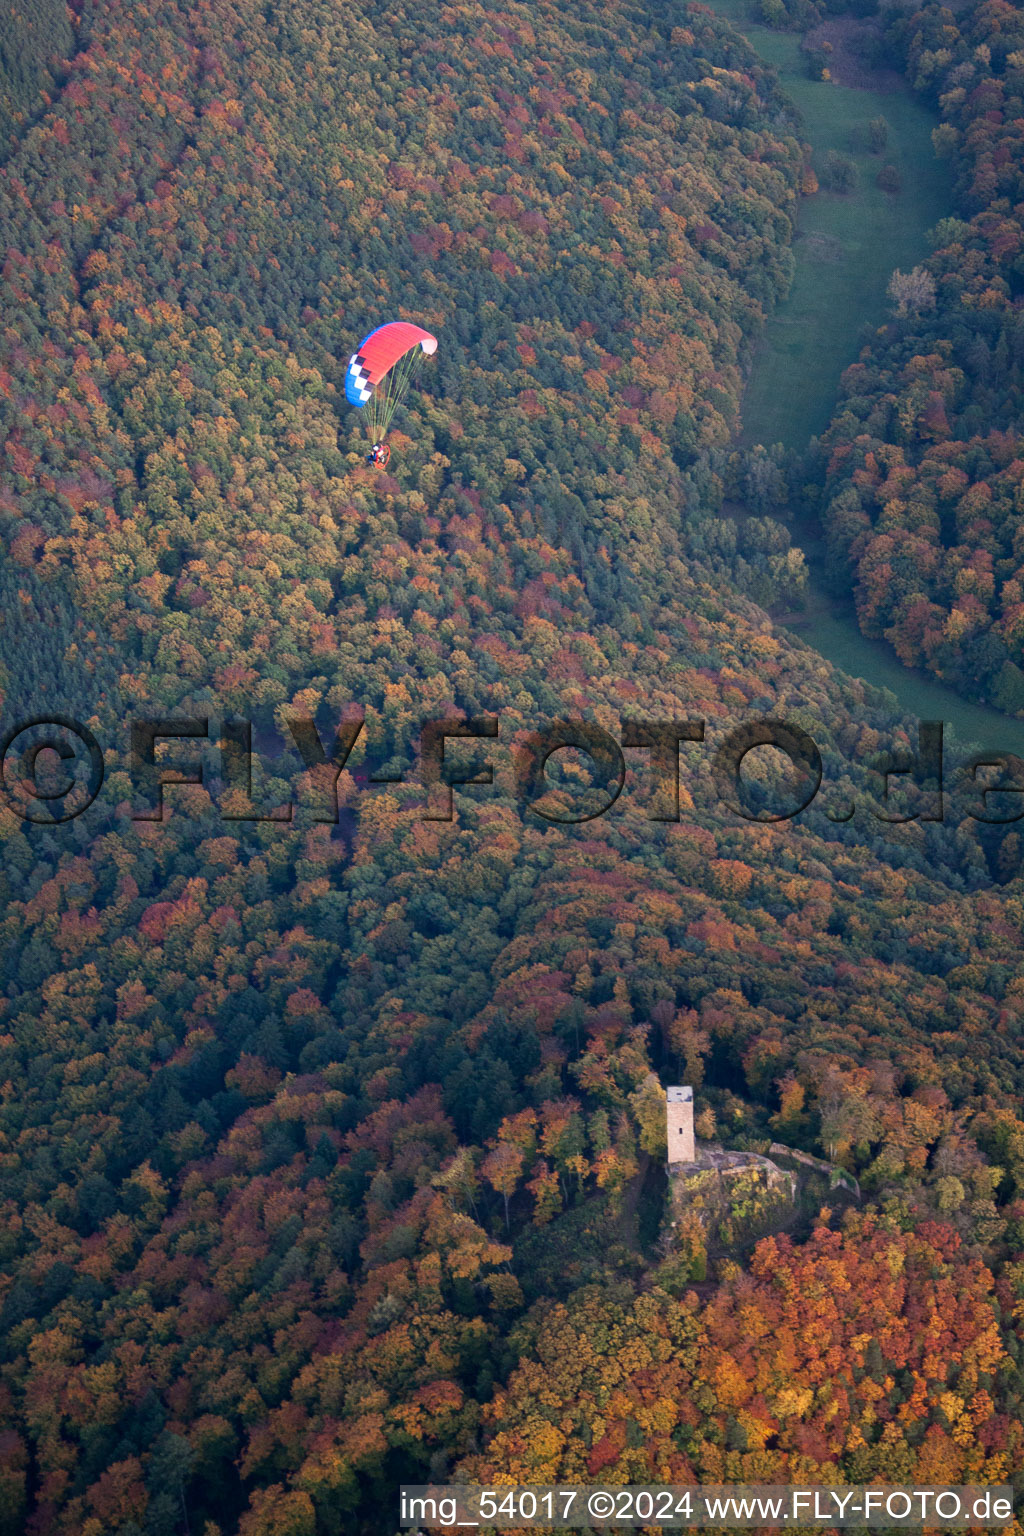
{"x":379,"y":352}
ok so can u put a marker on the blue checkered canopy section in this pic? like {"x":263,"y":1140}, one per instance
{"x":358,"y":388}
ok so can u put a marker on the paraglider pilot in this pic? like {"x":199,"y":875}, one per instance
{"x":380,"y":453}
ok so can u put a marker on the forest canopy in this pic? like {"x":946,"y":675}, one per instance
{"x":316,"y":1138}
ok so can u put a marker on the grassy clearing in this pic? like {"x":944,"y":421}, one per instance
{"x":847,"y":247}
{"x":834,"y":635}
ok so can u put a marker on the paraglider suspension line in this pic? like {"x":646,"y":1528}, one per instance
{"x":389,"y":392}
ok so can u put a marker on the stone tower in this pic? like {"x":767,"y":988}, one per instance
{"x":680,"y":1125}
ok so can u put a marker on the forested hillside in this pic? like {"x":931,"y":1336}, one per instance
{"x":317,"y":1140}
{"x":35,"y":36}
{"x":925,"y":463}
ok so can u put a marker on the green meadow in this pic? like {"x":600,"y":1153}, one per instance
{"x":847,"y":245}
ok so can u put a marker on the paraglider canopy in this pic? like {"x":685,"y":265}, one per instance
{"x":380,"y":369}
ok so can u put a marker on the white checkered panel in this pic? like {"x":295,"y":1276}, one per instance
{"x":360,"y":378}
